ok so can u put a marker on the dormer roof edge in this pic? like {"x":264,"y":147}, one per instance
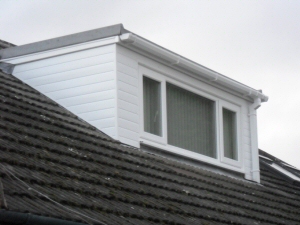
{"x":63,"y":41}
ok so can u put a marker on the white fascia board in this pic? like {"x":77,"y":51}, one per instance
{"x":139,"y":43}
{"x":60,"y":51}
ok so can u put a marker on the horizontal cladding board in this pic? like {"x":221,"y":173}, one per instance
{"x":128,"y":106}
{"x":246,"y":132}
{"x":133,"y":117}
{"x":81,"y":90}
{"x":246,"y":140}
{"x":127,"y":70}
{"x":65,"y":58}
{"x":127,"y":79}
{"x":129,"y":125}
{"x":128,"y":134}
{"x":247,"y":155}
{"x":248,"y":176}
{"x":248,"y":163}
{"x":63,"y":67}
{"x":125,"y":60}
{"x":246,"y":125}
{"x":72,"y":74}
{"x":86,"y":98}
{"x":97,"y":115}
{"x":128,"y":88}
{"x":57,"y":86}
{"x":104,"y":123}
{"x":244,"y":111}
{"x":111,"y":131}
{"x":127,"y":97}
{"x":93,"y":106}
{"x":130,"y":142}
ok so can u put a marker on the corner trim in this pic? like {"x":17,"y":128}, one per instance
{"x":7,"y":67}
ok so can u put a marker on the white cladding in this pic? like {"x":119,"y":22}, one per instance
{"x":128,"y":99}
{"x":83,"y":82}
{"x":102,"y":86}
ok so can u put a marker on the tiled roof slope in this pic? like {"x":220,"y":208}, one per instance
{"x":52,"y":163}
{"x":281,"y":163}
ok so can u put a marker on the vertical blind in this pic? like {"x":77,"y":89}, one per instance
{"x":229,"y":134}
{"x":191,"y":121}
{"x":152,"y":106}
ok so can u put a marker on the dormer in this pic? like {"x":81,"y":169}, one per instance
{"x":143,"y":94}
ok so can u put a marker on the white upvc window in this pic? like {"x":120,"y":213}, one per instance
{"x":230,"y":133}
{"x":184,"y":120}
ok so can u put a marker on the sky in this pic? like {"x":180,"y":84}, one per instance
{"x":254,"y":42}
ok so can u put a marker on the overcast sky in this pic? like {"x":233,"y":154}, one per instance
{"x":254,"y":42}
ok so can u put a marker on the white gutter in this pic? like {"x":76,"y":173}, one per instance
{"x":254,"y":140}
{"x":174,"y":59}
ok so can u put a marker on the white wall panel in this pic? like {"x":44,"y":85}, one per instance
{"x":73,"y":74}
{"x":128,"y":106}
{"x":127,"y":79}
{"x":80,"y":90}
{"x":128,"y":88}
{"x":63,"y":67}
{"x":65,"y":58}
{"x":128,"y":99}
{"x":93,"y":106}
{"x":97,"y":114}
{"x":111,"y":131}
{"x":104,"y":123}
{"x":128,"y":141}
{"x":127,"y":123}
{"x":84,"y":82}
{"x":124,"y":114}
{"x":132,"y":135}
{"x":93,"y":97}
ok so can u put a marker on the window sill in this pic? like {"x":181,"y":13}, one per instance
{"x":235,"y":166}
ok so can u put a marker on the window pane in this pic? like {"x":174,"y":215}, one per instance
{"x":152,"y":106}
{"x":191,"y":121}
{"x":229,"y":134}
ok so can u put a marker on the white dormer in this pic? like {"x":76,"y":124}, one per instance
{"x":138,"y":92}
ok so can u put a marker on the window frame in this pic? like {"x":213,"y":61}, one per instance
{"x":237,"y":110}
{"x":159,"y":78}
{"x":161,"y":142}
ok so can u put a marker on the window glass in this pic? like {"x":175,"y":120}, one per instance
{"x":191,"y":121}
{"x":229,"y":134}
{"x":152,"y":106}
